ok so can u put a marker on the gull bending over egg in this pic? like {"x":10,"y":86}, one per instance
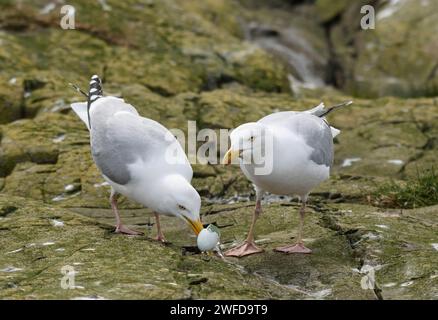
{"x":300,"y":157}
{"x":132,"y":153}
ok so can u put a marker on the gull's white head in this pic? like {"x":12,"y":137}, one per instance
{"x":181,"y":200}
{"x":246,"y":141}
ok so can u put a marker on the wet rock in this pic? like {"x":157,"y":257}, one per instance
{"x":293,"y":35}
{"x":389,"y":60}
{"x":400,"y":250}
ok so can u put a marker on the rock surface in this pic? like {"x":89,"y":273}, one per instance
{"x":397,"y":58}
{"x":48,"y":157}
{"x":106,"y":266}
{"x":347,"y":239}
{"x":191,"y":62}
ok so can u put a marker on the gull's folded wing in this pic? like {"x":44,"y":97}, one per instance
{"x":80,"y":108}
{"x":320,"y":110}
{"x":316,"y":111}
{"x":124,"y":139}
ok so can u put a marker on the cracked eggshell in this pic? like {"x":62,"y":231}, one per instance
{"x":207,"y":239}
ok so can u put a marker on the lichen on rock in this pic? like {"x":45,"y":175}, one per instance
{"x":221,"y":64}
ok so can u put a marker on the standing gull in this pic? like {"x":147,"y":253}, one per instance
{"x":298,"y":146}
{"x":140,"y":159}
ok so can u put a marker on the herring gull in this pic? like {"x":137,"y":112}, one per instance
{"x":299,"y":148}
{"x":132,"y":153}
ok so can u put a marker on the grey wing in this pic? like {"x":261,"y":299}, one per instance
{"x":314,"y":130}
{"x":277,"y":117}
{"x":316,"y":134}
{"x":319,"y":111}
{"x":123,"y":139}
{"x":283,"y":115}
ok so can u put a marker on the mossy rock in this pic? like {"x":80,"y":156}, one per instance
{"x":388,"y":137}
{"x":328,"y":10}
{"x":344,"y":238}
{"x":35,"y":250}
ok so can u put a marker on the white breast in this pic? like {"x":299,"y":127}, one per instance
{"x":293,"y":173}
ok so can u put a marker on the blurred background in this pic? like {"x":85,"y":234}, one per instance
{"x":222,"y":63}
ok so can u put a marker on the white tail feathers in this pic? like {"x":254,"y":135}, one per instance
{"x":80,"y":108}
{"x":335,"y":131}
{"x":320,"y":110}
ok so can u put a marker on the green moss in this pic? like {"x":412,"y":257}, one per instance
{"x":416,"y":192}
{"x":329,"y":10}
{"x":107,"y":265}
{"x":398,"y":244}
{"x":256,"y":69}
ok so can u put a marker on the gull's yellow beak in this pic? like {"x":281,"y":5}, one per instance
{"x":197,"y":225}
{"x":230,"y":156}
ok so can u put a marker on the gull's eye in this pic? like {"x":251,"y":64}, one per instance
{"x":182,"y":207}
{"x":252,"y":138}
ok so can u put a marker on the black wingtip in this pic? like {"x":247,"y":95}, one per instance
{"x":343,"y":104}
{"x":95,"y":92}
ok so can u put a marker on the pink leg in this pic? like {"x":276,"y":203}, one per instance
{"x":249,"y":246}
{"x":120,"y":227}
{"x":299,"y":246}
{"x":160,"y":235}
